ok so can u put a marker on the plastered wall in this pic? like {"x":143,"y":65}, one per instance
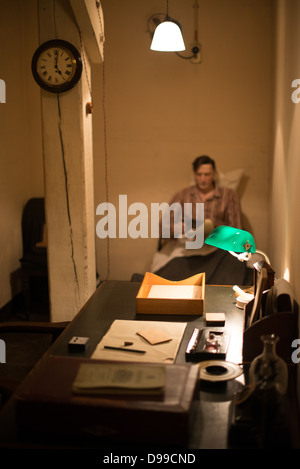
{"x":285,"y":226}
{"x":21,"y":163}
{"x":162,"y":111}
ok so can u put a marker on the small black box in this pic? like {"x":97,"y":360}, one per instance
{"x":78,"y":344}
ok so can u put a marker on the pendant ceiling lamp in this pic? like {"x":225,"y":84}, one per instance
{"x":167,"y":36}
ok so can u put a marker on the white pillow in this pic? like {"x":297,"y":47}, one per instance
{"x":230,"y":179}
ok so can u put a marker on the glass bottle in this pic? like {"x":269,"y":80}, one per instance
{"x":268,"y":375}
{"x":268,"y":370}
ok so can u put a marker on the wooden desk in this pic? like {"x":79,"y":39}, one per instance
{"x":116,"y":300}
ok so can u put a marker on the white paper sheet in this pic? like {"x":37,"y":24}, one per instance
{"x":175,"y":291}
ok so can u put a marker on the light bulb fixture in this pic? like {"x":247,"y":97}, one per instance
{"x":167,"y":36}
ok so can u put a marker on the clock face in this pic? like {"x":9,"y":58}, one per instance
{"x":56,"y":66}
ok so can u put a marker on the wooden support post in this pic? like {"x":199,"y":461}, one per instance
{"x":68,"y":167}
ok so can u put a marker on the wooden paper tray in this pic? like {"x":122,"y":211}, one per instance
{"x":189,"y":306}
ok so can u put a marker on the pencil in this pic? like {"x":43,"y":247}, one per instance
{"x":124,"y":349}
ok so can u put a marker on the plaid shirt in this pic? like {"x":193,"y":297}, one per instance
{"x":223,"y":207}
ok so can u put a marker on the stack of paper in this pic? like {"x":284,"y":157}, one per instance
{"x":175,"y":291}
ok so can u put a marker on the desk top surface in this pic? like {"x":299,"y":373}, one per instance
{"x":116,"y":300}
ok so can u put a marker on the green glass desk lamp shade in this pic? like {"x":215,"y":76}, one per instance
{"x":233,"y":240}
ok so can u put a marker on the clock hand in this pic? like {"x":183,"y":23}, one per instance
{"x":57,"y":69}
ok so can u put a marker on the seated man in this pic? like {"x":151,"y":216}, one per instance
{"x":221,"y":205}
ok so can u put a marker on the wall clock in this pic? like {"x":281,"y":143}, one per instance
{"x":56,"y":66}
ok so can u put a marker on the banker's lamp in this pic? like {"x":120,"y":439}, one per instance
{"x":239,"y":243}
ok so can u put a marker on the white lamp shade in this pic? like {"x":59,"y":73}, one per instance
{"x":167,"y":37}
